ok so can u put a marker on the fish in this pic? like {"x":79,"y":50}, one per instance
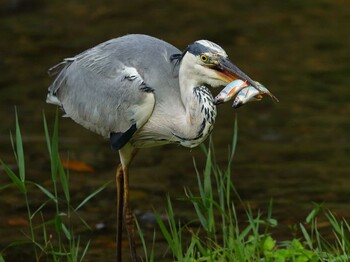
{"x":247,"y":94}
{"x":251,"y":94}
{"x":230,"y":91}
{"x":242,"y":93}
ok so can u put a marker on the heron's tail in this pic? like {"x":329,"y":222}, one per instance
{"x":58,"y":68}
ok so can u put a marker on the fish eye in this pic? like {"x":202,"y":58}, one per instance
{"x":204,"y":58}
{"x":259,"y":97}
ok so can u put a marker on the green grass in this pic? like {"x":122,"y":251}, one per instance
{"x":216,"y":233}
{"x":63,"y":244}
{"x":221,"y":236}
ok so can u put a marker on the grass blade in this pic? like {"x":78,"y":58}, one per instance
{"x":16,"y":181}
{"x":85,"y":251}
{"x":38,"y":209}
{"x":142,"y":238}
{"x":54,"y":150}
{"x":64,"y":180}
{"x":20,"y":153}
{"x":92,"y":195}
{"x":306,"y":236}
{"x":47,"y":136}
{"x":66,"y":232}
{"x":164,"y":229}
{"x":234,"y":139}
{"x":46,"y":192}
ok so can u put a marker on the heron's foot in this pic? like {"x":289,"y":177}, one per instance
{"x":130,"y":228}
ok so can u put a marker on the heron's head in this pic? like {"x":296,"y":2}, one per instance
{"x":206,"y":63}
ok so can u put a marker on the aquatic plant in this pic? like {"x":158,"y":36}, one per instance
{"x":53,"y":238}
{"x":218,"y":235}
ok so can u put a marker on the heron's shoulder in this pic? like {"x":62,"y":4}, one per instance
{"x":145,"y":53}
{"x":129,"y":49}
{"x":141,"y":41}
{"x":116,"y":58}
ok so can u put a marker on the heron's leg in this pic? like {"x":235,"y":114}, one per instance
{"x":129,"y":218}
{"x":120,"y":203}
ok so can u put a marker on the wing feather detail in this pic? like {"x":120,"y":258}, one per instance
{"x":101,"y":97}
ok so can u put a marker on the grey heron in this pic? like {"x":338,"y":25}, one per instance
{"x":140,"y":91}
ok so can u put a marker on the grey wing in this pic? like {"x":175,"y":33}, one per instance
{"x":102,"y":96}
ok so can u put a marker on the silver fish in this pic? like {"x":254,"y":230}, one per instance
{"x":230,"y":91}
{"x":251,"y":94}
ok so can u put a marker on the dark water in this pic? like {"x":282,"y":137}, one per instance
{"x":296,"y":152}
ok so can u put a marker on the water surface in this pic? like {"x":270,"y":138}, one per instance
{"x":296,"y":152}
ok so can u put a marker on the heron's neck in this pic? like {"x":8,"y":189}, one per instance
{"x":188,"y":80}
{"x":200,"y":110}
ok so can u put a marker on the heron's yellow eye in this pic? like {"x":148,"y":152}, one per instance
{"x":204,"y":58}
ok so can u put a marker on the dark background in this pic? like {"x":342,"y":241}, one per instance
{"x":295,"y":152}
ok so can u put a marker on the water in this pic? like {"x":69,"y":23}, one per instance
{"x":296,"y":152}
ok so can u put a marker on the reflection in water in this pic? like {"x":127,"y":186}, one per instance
{"x":295,"y":152}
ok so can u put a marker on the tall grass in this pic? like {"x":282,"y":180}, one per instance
{"x":51,"y":239}
{"x":218,"y":234}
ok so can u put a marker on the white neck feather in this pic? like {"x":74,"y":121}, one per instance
{"x":198,"y":102}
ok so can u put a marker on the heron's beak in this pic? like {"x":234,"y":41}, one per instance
{"x":229,"y":72}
